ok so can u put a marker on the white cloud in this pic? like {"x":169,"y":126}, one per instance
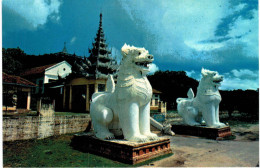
{"x":203,"y":46}
{"x":245,"y":32}
{"x":193,"y":74}
{"x":241,"y":79}
{"x":187,"y":28}
{"x":73,"y":39}
{"x":190,"y":73}
{"x":239,"y":7}
{"x":179,"y":21}
{"x":245,"y":73}
{"x":153,"y":68}
{"x":35,"y":12}
{"x":237,"y":83}
{"x":116,"y":54}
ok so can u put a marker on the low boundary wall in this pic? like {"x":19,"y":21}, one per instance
{"x":38,"y":127}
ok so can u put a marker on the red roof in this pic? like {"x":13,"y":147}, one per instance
{"x":156,"y":91}
{"x":16,"y":80}
{"x":36,"y":70}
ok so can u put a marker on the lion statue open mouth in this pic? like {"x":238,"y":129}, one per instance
{"x":204,"y":108}
{"x":126,"y":105}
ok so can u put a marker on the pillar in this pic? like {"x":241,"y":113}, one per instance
{"x":29,"y":100}
{"x":96,"y":87}
{"x":70,"y":100}
{"x":87,"y":98}
{"x":64,"y":97}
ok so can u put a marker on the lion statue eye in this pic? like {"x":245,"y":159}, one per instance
{"x":139,"y":53}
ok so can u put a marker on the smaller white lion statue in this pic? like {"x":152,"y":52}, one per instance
{"x":204,"y":108}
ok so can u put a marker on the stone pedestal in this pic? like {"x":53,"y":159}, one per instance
{"x":202,"y":131}
{"x":121,"y":150}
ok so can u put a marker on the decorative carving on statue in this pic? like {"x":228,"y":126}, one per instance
{"x":204,"y":108}
{"x":125,"y":107}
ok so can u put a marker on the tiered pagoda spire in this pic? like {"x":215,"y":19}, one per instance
{"x":64,"y":50}
{"x":102,"y":63}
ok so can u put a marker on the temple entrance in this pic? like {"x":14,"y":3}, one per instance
{"x":79,"y":98}
{"x":22,"y":100}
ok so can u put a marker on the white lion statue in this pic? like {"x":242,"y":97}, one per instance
{"x":126,"y":105}
{"x":204,"y":108}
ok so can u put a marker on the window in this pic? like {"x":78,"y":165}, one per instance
{"x":101,"y":87}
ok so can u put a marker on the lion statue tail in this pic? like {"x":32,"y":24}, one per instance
{"x":182,"y":103}
{"x":190,"y":94}
{"x":110,"y":84}
{"x":110,"y":88}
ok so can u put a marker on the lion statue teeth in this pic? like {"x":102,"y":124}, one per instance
{"x":204,"y":108}
{"x":125,"y":107}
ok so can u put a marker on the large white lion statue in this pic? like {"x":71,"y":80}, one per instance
{"x":204,"y":108}
{"x":126,"y":105}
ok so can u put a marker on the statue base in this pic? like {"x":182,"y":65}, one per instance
{"x":121,"y":150}
{"x":202,"y":131}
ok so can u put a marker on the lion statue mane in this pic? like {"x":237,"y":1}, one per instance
{"x":125,"y":107}
{"x":204,"y":108}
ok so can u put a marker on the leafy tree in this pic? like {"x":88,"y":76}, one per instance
{"x":10,"y":64}
{"x":172,"y":84}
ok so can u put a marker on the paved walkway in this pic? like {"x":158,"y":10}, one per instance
{"x":190,"y":151}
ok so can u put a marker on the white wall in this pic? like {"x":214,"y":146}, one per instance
{"x":62,"y":69}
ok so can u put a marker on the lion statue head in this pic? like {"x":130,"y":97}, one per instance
{"x":136,"y":59}
{"x":211,"y":78}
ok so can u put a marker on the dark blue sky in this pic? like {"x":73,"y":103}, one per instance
{"x":186,"y":35}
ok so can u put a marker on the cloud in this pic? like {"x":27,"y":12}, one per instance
{"x":73,"y":39}
{"x":203,"y":46}
{"x":153,"y":68}
{"x":241,"y":79}
{"x":193,"y":74}
{"x":238,"y":83}
{"x":196,"y":29}
{"x":190,"y":73}
{"x":116,"y":54}
{"x":35,"y":12}
{"x":244,"y":31}
{"x":177,"y":22}
{"x":245,"y":73}
{"x":235,"y":79}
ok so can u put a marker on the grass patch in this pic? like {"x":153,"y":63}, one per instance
{"x":55,"y":152}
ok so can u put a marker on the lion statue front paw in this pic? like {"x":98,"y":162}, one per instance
{"x":152,"y":136}
{"x":138,"y":138}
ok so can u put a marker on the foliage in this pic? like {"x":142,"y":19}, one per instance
{"x":243,"y":101}
{"x":172,"y":84}
{"x":16,"y":61}
{"x":9,"y":62}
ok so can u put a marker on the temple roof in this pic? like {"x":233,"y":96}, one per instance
{"x":16,"y":80}
{"x":36,"y":70}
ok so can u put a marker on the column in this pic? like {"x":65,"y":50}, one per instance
{"x":87,"y":98}
{"x":96,"y":87}
{"x":29,"y":100}
{"x":64,"y":97}
{"x":70,"y":100}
